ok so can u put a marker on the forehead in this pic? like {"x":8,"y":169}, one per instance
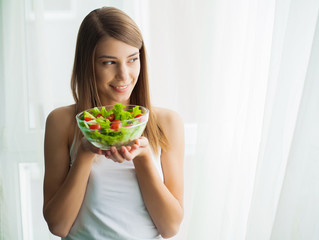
{"x":112,"y":47}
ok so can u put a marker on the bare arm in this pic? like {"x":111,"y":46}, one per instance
{"x":164,"y":201}
{"x":64,"y":187}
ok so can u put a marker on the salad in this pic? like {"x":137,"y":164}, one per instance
{"x":116,"y":125}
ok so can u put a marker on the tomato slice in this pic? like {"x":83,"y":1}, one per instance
{"x":138,"y":115}
{"x":141,"y":119}
{"x":99,"y":115}
{"x":95,"y":126}
{"x":88,"y":119}
{"x":111,"y":117}
{"x":116,"y":124}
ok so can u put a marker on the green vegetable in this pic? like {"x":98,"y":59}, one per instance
{"x":126,"y":133}
{"x":136,"y":111}
{"x":104,"y":112}
{"x":95,"y":111}
{"x":88,"y":115}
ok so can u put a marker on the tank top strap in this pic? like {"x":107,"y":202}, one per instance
{"x":157,"y":161}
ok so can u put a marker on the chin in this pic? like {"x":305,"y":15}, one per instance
{"x":122,"y":100}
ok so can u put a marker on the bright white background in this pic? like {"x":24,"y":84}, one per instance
{"x":244,"y":76}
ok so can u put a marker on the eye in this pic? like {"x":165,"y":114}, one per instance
{"x":108,"y":62}
{"x":133,"y":60}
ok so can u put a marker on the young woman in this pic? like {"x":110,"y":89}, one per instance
{"x":135,"y":192}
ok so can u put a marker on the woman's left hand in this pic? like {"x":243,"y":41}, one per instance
{"x":127,"y":153}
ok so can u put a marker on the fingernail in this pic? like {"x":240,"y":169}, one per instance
{"x":113,"y":149}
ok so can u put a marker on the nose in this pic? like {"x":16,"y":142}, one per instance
{"x":123,"y":72}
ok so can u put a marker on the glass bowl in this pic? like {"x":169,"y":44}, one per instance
{"x":104,"y":133}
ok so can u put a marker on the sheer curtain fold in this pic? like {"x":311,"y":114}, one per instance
{"x":293,"y":38}
{"x":235,"y":69}
{"x":253,"y":71}
{"x":298,"y":211}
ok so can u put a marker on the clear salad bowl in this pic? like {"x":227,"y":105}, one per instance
{"x":113,"y":125}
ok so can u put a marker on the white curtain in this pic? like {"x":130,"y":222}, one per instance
{"x":244,"y":76}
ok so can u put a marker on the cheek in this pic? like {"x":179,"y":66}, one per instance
{"x":102,"y":75}
{"x":136,"y":74}
{"x":136,"y":71}
{"x":98,"y":73}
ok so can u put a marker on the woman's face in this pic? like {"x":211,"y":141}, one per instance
{"x":117,"y":67}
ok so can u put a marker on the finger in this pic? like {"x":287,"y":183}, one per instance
{"x":126,"y":154}
{"x":96,"y":150}
{"x":135,"y":150}
{"x":128,"y":148}
{"x":103,"y":152}
{"x":113,"y":159}
{"x":108,"y":154}
{"x":117,"y":156}
{"x":134,"y":147}
{"x":142,"y":141}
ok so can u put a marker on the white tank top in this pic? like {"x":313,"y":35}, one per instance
{"x":113,"y":207}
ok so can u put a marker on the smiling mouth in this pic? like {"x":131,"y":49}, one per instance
{"x":120,"y":89}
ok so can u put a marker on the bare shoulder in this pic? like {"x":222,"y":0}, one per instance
{"x":61,"y":121}
{"x":171,"y":124}
{"x":57,"y":141}
{"x":67,"y":113}
{"x":167,"y":118}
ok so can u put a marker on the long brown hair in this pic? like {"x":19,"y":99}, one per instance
{"x":111,"y":22}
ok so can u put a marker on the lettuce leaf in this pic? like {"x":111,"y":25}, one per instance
{"x":104,"y":112}
{"x":136,"y":111}
{"x":121,"y":137}
{"x":95,"y":111}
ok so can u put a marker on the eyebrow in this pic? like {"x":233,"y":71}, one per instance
{"x":107,"y":56}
